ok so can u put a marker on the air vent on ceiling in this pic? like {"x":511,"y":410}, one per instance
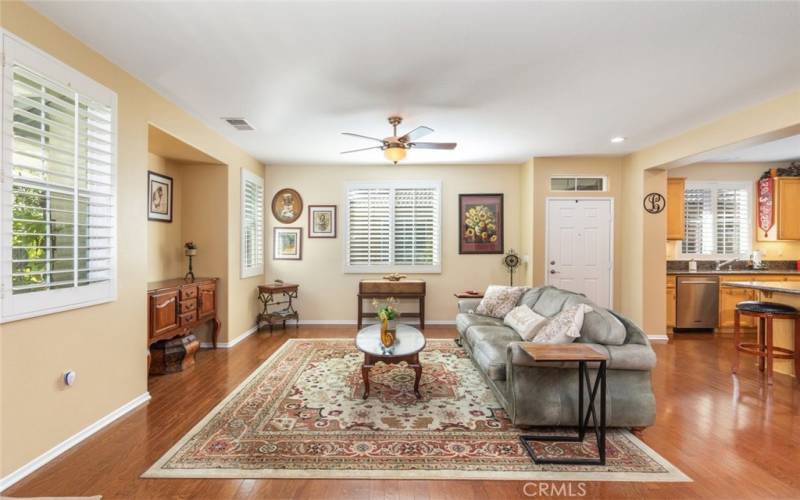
{"x":239,"y":123}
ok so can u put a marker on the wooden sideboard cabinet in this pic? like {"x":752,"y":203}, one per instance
{"x":176,"y":306}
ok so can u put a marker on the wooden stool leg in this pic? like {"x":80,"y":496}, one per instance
{"x":769,"y":350}
{"x":761,"y":335}
{"x":737,"y":338}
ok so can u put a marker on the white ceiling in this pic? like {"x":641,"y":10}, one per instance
{"x":505,"y":80}
{"x":781,"y":150}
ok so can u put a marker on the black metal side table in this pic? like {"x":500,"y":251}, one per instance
{"x":582,"y":354}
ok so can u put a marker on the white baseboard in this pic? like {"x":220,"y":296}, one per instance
{"x":321,"y":322}
{"x":68,"y":443}
{"x":658,"y":338}
{"x":228,"y":345}
{"x":367,"y":322}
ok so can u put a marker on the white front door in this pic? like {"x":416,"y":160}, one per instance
{"x":579,"y":246}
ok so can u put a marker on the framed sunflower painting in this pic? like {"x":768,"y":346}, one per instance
{"x":480,"y":219}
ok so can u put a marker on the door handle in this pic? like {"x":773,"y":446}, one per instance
{"x":552,"y":263}
{"x":553,"y":271}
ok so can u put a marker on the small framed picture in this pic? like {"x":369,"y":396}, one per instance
{"x":322,"y":221}
{"x":287,"y":243}
{"x":159,"y":197}
{"x":480,"y":217}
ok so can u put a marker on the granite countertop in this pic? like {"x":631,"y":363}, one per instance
{"x":735,"y":271}
{"x":790,"y":287}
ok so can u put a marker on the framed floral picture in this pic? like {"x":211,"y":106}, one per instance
{"x":480,"y":221}
{"x":287,"y":205}
{"x":287,"y":243}
{"x":159,"y":197}
{"x":322,"y":221}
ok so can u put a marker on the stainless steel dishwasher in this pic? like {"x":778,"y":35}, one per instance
{"x":697,"y":302}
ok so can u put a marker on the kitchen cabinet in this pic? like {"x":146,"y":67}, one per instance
{"x":675,"y":203}
{"x":672,"y":298}
{"x":728,"y":298}
{"x":788,"y":195}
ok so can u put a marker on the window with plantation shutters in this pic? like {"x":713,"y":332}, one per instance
{"x":717,"y":219}
{"x":393,"y":226}
{"x":58,"y":186}
{"x":252,"y":224}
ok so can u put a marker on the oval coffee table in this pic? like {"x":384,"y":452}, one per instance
{"x":408,"y":343}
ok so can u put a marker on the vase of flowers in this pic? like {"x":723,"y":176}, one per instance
{"x":387,"y":314}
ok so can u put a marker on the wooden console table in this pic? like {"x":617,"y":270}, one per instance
{"x":176,"y":306}
{"x":383,"y":289}
{"x":267,"y":295}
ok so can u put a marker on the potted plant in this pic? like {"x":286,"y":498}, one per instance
{"x":387,"y":314}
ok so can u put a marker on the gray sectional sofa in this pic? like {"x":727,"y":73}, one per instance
{"x":546,"y":394}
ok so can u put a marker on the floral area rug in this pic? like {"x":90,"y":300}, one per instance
{"x":301,"y":415}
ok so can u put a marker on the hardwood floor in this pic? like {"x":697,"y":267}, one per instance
{"x":734,"y":436}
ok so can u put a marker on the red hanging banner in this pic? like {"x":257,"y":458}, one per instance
{"x":766,"y":189}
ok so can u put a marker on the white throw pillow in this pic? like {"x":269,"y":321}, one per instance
{"x":524,"y":321}
{"x":564,"y":327}
{"x":498,"y":300}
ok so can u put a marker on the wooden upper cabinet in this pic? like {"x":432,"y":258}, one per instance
{"x":788,"y":198}
{"x":675,"y":222}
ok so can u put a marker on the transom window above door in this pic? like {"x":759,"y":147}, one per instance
{"x":393,"y":227}
{"x":718,"y":220}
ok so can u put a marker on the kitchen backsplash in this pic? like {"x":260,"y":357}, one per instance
{"x":710,"y":265}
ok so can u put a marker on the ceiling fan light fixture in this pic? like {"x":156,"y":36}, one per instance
{"x":395,"y":153}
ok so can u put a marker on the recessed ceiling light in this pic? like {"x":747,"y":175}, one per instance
{"x":618,"y":139}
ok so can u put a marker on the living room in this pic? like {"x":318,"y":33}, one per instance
{"x":322,"y":250}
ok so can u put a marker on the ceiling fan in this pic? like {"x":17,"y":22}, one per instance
{"x":394,"y":147}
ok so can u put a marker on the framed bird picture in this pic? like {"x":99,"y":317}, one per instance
{"x":159,"y":197}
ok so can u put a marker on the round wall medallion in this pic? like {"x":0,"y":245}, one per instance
{"x":287,"y":205}
{"x":654,"y":203}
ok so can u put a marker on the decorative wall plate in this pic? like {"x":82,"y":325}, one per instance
{"x":287,"y":205}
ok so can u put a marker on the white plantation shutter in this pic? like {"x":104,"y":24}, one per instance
{"x":59,"y":190}
{"x":717,"y":219}
{"x":416,"y":226}
{"x":733,"y":221}
{"x":252,"y":224}
{"x":393,"y":227}
{"x":699,"y":222}
{"x":369,"y":226}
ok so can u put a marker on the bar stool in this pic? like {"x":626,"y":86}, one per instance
{"x":766,"y":312}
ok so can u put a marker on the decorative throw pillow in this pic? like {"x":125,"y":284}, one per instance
{"x":564,"y":327}
{"x":525,"y":322}
{"x":498,"y":300}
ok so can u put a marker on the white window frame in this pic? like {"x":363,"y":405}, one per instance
{"x":716,"y":186}
{"x":436,"y":268}
{"x":16,"y":307}
{"x":576,"y":177}
{"x":258,"y":268}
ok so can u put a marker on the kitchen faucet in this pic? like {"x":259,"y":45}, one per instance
{"x":720,"y":265}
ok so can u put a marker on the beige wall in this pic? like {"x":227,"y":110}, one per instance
{"x":751,"y":172}
{"x":644,"y":296}
{"x":164,"y":244}
{"x":546,"y":167}
{"x":105,"y":344}
{"x":327,"y":293}
{"x":526,"y":184}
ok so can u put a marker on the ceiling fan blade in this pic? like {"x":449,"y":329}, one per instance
{"x":362,"y":149}
{"x":416,"y":134}
{"x":433,"y":145}
{"x":364,"y":137}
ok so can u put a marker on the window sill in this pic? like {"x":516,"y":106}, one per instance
{"x":436,"y":269}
